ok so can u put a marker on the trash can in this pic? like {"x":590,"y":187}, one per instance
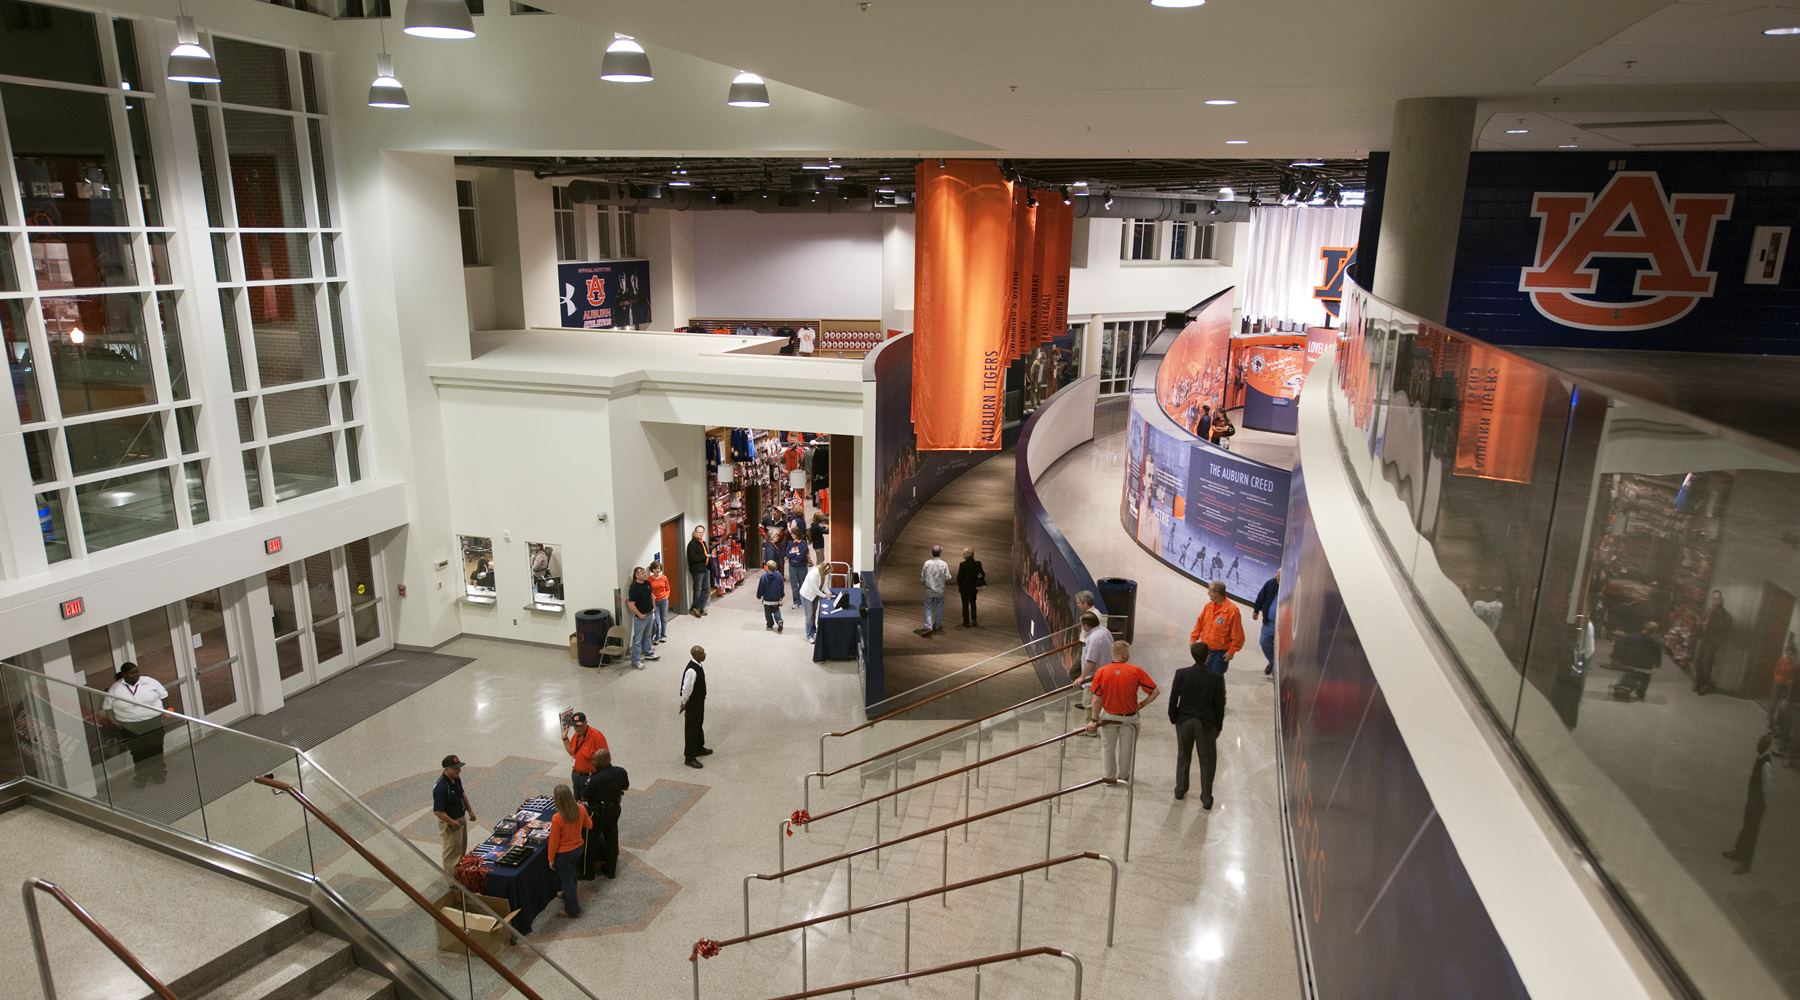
{"x":1119,"y":597}
{"x":591,"y":627}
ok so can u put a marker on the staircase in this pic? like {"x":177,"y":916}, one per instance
{"x":294,"y":960}
{"x":1068,"y":909}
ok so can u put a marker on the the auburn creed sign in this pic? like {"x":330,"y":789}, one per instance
{"x":1632,"y":219}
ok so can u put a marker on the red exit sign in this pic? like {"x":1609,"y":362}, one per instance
{"x":272,"y":546}
{"x":72,"y":607}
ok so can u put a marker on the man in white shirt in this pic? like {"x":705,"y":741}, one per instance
{"x":935,"y":574}
{"x":1096,"y":652}
{"x":135,"y":704}
{"x":693,"y":709}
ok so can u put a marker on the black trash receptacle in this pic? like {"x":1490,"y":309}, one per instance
{"x":591,"y":627}
{"x":1119,"y":596}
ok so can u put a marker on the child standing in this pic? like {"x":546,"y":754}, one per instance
{"x":769,"y":591}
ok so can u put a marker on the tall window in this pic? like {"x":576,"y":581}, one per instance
{"x":607,"y":215}
{"x":469,"y":221}
{"x":278,"y":251}
{"x":1121,"y":343}
{"x":568,"y":224}
{"x":627,"y":233}
{"x":93,"y":316}
{"x":1192,"y":241}
{"x":1139,"y":241}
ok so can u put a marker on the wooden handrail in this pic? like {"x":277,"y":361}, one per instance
{"x":969,"y":963}
{"x":714,"y":946}
{"x":1068,"y":688}
{"x":87,"y":920}
{"x":941,"y":694}
{"x":413,"y":894}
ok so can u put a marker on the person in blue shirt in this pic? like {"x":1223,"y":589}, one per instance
{"x":769,"y":591}
{"x":454,"y":812}
{"x":1264,"y":608}
{"x":798,"y":554}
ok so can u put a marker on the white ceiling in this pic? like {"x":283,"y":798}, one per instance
{"x":1313,"y":77}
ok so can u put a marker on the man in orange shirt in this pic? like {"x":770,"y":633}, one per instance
{"x":582,"y":741}
{"x":1116,"y":688}
{"x":1218,"y":632}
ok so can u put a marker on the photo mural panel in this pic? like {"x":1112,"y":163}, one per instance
{"x":1387,"y":906}
{"x":905,"y":477}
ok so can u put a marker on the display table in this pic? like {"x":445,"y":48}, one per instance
{"x":837,"y":628}
{"x":528,"y":886}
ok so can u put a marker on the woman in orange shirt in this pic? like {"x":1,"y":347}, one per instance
{"x":568,"y":832}
{"x":659,"y":592}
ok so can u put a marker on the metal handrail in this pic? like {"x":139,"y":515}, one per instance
{"x":707,"y":948}
{"x":944,"y":828}
{"x":972,"y":963}
{"x":87,"y":920}
{"x":806,"y":818}
{"x":418,"y":898}
{"x":941,"y":694}
{"x":1069,"y":688}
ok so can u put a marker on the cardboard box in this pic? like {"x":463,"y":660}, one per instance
{"x":575,"y":646}
{"x":487,"y":932}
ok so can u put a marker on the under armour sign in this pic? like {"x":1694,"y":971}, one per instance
{"x":1634,"y":223}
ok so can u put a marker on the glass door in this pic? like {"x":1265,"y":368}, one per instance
{"x":217,"y":688}
{"x":368,"y":624}
{"x":292,"y":655}
{"x":325,"y":611}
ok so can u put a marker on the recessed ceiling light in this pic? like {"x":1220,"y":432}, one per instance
{"x":834,"y":177}
{"x":1567,"y":145}
{"x":1236,"y":142}
{"x":681,"y":184}
{"x":1307,"y":163}
{"x":1078,"y":184}
{"x":1221,"y":102}
{"x":1177,"y":3}
{"x":815,"y":166}
{"x":1518,"y":131}
{"x":1794,"y":30}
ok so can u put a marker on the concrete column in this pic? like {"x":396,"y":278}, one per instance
{"x":1422,"y":206}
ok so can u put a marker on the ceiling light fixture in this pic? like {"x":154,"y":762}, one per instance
{"x":1567,"y":145}
{"x":439,"y":19}
{"x":1221,"y":102}
{"x":1079,"y":184}
{"x":1177,"y":3}
{"x":681,"y":184}
{"x":386,"y":91}
{"x":1066,"y":199}
{"x":1521,"y":130}
{"x":1227,"y":193}
{"x":1777,"y":32}
{"x":747,"y":91}
{"x":1307,"y":163}
{"x":815,"y":166}
{"x":1237,"y":142}
{"x":624,"y":62}
{"x":1109,"y":199}
{"x":834,"y":177}
{"x":188,"y":61}
{"x":1255,"y":199}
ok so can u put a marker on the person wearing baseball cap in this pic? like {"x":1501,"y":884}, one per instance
{"x":582,"y":741}
{"x":454,"y":812}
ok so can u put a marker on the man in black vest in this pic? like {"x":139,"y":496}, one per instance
{"x":693,"y":706}
{"x":605,"y":789}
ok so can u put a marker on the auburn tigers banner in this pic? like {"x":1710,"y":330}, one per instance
{"x":1055,"y":235}
{"x":963,"y":312}
{"x":1022,"y":315}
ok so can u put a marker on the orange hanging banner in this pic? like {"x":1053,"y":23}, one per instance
{"x":1024,"y":275}
{"x":1055,"y":234}
{"x":963,"y":264}
{"x":1502,"y":409}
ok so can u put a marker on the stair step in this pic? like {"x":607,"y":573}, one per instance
{"x":315,"y":961}
{"x":223,"y":967}
{"x":359,"y":984}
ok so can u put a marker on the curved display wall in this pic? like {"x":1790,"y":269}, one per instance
{"x":1046,"y":572}
{"x":1205,"y":511}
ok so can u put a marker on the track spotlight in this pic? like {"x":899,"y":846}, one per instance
{"x":1212,"y":209}
{"x":748,"y":91}
{"x":1109,"y":199}
{"x":189,"y":62}
{"x":439,"y":19}
{"x":1030,"y":200}
{"x":1066,"y":199}
{"x":624,"y":62}
{"x":1255,"y":199}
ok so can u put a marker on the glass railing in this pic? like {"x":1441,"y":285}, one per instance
{"x":979,"y":699}
{"x":202,"y":784}
{"x":1617,"y":581}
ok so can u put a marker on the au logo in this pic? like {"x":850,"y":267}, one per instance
{"x":1632,"y":218}
{"x":1330,"y":293}
{"x":596,"y":291}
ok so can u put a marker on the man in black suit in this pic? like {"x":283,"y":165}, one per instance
{"x":1197,"y":710}
{"x":603,"y":795}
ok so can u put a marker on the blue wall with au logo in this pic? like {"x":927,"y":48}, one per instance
{"x":620,"y":290}
{"x":1499,"y":239}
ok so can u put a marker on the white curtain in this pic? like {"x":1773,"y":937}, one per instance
{"x":1284,"y":264}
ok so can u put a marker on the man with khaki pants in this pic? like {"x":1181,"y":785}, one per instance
{"x":1116,"y":688}
{"x":454,"y":813}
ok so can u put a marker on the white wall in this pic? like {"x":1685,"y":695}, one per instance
{"x":478,"y":286}
{"x":667,"y":239}
{"x":1102,"y":284}
{"x":642,"y":453}
{"x":825,"y":266}
{"x":898,"y":249}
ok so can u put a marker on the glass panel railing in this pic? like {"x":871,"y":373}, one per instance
{"x":1009,"y":688}
{"x":201,"y":779}
{"x":1618,"y":582}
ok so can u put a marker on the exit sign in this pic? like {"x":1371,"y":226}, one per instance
{"x":272,"y":546}
{"x":72,"y":607}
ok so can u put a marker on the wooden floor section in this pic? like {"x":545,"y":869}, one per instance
{"x":976,"y":511}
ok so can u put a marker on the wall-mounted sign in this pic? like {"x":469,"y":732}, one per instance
{"x":272,"y":546}
{"x":604,"y":295}
{"x":73,"y":607}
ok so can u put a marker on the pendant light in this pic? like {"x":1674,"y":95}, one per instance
{"x":439,"y":19}
{"x":625,"y":62}
{"x":189,"y":62}
{"x":748,"y":91}
{"x":386,"y":91}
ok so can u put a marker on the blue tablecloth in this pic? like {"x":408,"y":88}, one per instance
{"x":529,"y":887}
{"x":837,"y":629}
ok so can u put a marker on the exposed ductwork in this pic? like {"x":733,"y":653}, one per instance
{"x":1160,"y":208}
